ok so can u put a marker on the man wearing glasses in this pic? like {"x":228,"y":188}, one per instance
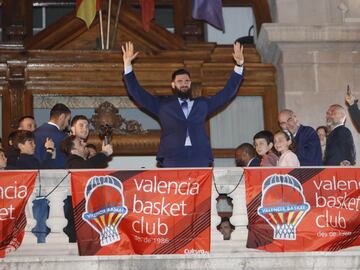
{"x":308,"y":147}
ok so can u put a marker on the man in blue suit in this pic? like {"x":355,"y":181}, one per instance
{"x":54,"y":129}
{"x":308,"y":147}
{"x":184,"y":142}
{"x":340,"y":148}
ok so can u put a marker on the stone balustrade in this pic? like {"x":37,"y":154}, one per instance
{"x":58,"y":253}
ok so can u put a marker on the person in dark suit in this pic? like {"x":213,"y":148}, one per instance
{"x":59,"y":120}
{"x":26,"y":122}
{"x":77,"y":154}
{"x":340,"y":148}
{"x":24,"y":141}
{"x":354,"y":110}
{"x":245,"y":156}
{"x":308,"y":147}
{"x":184,"y":142}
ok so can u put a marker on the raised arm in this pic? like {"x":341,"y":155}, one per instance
{"x":232,"y":84}
{"x":353,"y":109}
{"x":140,"y":95}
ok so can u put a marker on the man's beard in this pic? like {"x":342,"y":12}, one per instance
{"x":183,"y":95}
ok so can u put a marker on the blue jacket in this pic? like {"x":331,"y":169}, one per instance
{"x":50,"y":131}
{"x":308,"y":147}
{"x":339,"y":146}
{"x":175,"y":124}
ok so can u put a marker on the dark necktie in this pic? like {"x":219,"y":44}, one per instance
{"x":185,"y":108}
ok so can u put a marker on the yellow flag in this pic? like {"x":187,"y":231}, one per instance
{"x":86,"y":10}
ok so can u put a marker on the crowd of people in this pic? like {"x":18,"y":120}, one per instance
{"x":50,"y":146}
{"x":184,"y":142}
{"x":297,"y":145}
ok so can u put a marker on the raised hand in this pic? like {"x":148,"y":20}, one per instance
{"x":107,"y":149}
{"x":350,"y":98}
{"x":238,"y":54}
{"x":49,"y":143}
{"x":128,"y":53}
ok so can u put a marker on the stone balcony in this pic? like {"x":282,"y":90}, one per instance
{"x":58,"y":253}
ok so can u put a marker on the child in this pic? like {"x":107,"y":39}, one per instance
{"x":24,"y":141}
{"x":3,"y":159}
{"x":285,"y":146}
{"x":264,"y":142}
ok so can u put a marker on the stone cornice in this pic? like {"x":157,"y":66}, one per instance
{"x":272,"y":35}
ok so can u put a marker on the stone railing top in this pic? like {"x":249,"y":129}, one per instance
{"x":273,"y":34}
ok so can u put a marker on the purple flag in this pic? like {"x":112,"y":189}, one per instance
{"x":209,"y":11}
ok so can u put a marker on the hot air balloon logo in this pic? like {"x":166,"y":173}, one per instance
{"x":104,"y":207}
{"x":283,"y":205}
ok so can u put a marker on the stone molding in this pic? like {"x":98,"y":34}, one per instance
{"x":273,"y":34}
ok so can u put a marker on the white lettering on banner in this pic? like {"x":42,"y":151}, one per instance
{"x":7,"y":212}
{"x":326,"y":220}
{"x":337,"y":184}
{"x":13,"y":192}
{"x":10,"y":192}
{"x":160,"y":207}
{"x":154,"y":228}
{"x":167,"y":187}
{"x":335,"y":193}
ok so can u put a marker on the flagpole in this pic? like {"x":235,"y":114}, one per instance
{"x":101,"y":29}
{"x":113,"y":38}
{"x":108,"y":26}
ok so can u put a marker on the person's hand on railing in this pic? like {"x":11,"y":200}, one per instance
{"x":345,"y":163}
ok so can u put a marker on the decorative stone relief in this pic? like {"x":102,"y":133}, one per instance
{"x":81,"y":102}
{"x":107,"y":116}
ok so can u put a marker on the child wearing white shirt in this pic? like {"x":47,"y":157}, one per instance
{"x":284,"y":144}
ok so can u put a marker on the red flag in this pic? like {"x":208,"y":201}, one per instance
{"x":15,"y":190}
{"x":142,"y":212}
{"x":147,"y":12}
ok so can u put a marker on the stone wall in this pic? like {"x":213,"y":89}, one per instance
{"x":315,"y":48}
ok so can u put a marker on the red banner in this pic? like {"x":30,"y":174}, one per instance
{"x":304,"y":209}
{"x":142,"y":212}
{"x":15,"y":190}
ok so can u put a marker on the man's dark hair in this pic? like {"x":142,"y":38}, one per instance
{"x":11,"y":136}
{"x":21,"y":136}
{"x":59,"y":109}
{"x":265,"y":134}
{"x":247,"y":148}
{"x":68,"y":144}
{"x":77,"y":118}
{"x":179,"y":72}
{"x":25,"y":117}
